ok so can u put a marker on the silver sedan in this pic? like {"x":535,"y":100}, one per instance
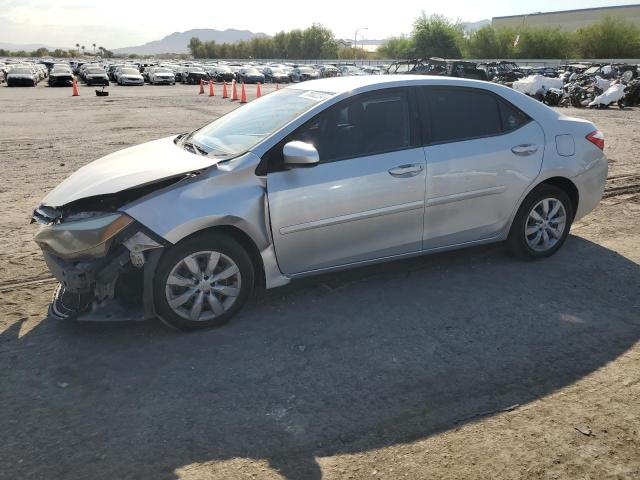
{"x":323,"y":175}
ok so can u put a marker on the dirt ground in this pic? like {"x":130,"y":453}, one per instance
{"x":466,"y":365}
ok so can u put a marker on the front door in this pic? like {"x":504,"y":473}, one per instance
{"x":364,"y":200}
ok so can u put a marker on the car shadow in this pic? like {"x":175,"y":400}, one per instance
{"x":339,"y":363}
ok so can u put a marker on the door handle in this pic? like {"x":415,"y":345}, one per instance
{"x":406,"y":171}
{"x":525,"y":149}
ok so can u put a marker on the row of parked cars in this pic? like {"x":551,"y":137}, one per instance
{"x":22,"y":74}
{"x":170,"y":73}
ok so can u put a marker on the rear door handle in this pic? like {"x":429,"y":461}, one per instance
{"x":406,"y":171}
{"x":525,"y":149}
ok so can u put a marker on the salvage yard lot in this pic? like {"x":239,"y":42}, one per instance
{"x":460,"y":365}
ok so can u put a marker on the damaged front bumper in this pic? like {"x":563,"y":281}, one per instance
{"x":114,"y":286}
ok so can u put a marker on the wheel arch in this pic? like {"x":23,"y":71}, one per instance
{"x":566,"y":185}
{"x":244,"y":240}
{"x":558,"y":181}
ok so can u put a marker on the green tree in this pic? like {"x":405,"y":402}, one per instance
{"x":396,"y":48}
{"x":40,"y":52}
{"x":543,"y":42}
{"x":318,"y":42}
{"x":195,"y":47}
{"x":488,"y":42}
{"x":609,"y":38}
{"x":280,"y":41}
{"x":435,"y":36}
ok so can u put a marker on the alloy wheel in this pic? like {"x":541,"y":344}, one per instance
{"x":203,"y":285}
{"x":545,"y":224}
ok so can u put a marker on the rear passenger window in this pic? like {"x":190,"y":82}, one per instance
{"x":457,"y":114}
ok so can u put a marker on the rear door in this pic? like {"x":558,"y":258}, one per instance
{"x":364,"y":200}
{"x":482,"y":153}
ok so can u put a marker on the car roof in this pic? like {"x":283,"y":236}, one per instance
{"x":360,"y":84}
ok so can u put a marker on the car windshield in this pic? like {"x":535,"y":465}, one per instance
{"x":95,"y":70}
{"x":196,"y":70}
{"x":21,"y":71}
{"x":251,"y":71}
{"x":243,"y":128}
{"x":277,"y":71}
{"x":305,"y":70}
{"x":161,"y":70}
{"x":223,"y":68}
{"x":130,"y":71}
{"x":60,"y":70}
{"x":592,"y":70}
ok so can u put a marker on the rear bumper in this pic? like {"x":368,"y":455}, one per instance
{"x":591,"y":184}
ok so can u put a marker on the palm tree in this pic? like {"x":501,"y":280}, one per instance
{"x":94,"y":48}
{"x":101,"y":51}
{"x":77,"y":49}
{"x":83,"y":49}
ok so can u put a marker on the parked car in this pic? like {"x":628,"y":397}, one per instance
{"x":250,"y":75}
{"x":348,"y":70}
{"x":161,"y":76}
{"x":222,"y":73}
{"x":112,"y":70}
{"x":95,"y":75}
{"x":275,"y":75}
{"x":60,"y":76}
{"x":22,"y":76}
{"x":345,"y":172}
{"x":193,"y":75}
{"x":129,"y":76}
{"x":329,"y":71}
{"x":501,"y":71}
{"x":302,"y":73}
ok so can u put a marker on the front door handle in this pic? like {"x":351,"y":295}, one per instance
{"x":525,"y":149}
{"x":406,"y":171}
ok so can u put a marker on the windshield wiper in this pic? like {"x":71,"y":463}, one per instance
{"x":195,"y":148}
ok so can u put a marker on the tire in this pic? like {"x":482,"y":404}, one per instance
{"x":533,"y":245}
{"x":218,"y":301}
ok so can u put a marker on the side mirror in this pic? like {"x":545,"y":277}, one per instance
{"x":300,"y":154}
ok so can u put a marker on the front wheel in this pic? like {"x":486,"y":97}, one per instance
{"x":542,"y":223}
{"x":202,"y":282}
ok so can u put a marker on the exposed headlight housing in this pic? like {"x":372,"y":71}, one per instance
{"x":82,"y":238}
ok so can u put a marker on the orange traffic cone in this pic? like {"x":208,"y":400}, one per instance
{"x":75,"y":88}
{"x":243,"y":94}
{"x":201,"y":87}
{"x":277,"y":86}
{"x":211,"y":92}
{"x":258,"y":91}
{"x":224,"y":90}
{"x":234,"y":92}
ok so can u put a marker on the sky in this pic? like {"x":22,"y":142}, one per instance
{"x":122,"y":23}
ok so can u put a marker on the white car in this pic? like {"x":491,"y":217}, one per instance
{"x":161,"y":76}
{"x":320,"y":176}
{"x":130,"y":76}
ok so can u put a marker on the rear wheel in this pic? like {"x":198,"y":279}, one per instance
{"x":542,"y":223}
{"x":202,"y":282}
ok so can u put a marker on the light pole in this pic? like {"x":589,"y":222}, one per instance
{"x":355,"y":41}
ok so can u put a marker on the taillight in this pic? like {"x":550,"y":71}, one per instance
{"x":597,"y":138}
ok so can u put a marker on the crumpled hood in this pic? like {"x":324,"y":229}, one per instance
{"x":125,"y":169}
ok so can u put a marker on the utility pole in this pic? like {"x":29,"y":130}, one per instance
{"x":355,"y":41}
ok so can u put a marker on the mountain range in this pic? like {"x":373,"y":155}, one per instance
{"x":178,"y":42}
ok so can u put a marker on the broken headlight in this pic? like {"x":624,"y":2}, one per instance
{"x":89,"y":237}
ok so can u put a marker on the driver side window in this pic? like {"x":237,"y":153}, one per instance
{"x":367,"y":124}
